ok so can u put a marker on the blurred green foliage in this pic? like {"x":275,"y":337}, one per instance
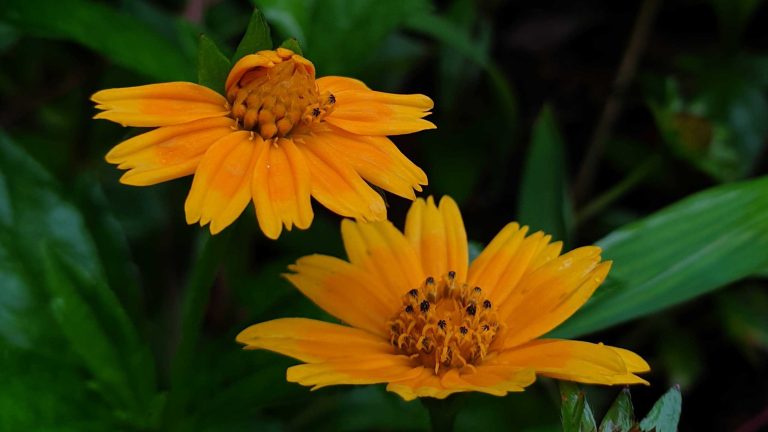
{"x":114,"y":315}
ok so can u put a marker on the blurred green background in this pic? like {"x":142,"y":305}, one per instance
{"x":640,"y":126}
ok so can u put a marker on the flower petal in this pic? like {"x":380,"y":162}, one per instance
{"x":551,"y":294}
{"x":159,"y":104}
{"x":373,"y":369}
{"x":438,"y":237}
{"x":366,"y":112}
{"x":574,"y":361}
{"x":376,"y":159}
{"x":336,"y":185}
{"x":281,"y":189}
{"x":221,"y":187}
{"x":509,"y":256}
{"x":495,"y":380}
{"x":312,"y":341}
{"x":168,"y":152}
{"x":244,"y":65}
{"x":345,"y":291}
{"x":384,"y":253}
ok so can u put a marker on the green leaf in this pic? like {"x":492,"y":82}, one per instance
{"x":57,"y":311}
{"x":701,"y":243}
{"x":293,"y":45}
{"x":575,"y":413}
{"x":543,"y":203}
{"x":212,"y":66}
{"x":665,"y":413}
{"x":256,"y":37}
{"x":620,"y":416}
{"x":116,"y":36}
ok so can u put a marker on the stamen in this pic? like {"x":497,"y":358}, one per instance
{"x":275,"y":100}
{"x":449,"y":332}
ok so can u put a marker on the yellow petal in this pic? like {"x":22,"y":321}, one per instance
{"x":495,"y":380}
{"x":366,"y":112}
{"x":573,"y":361}
{"x":438,"y":237}
{"x":371,"y":369}
{"x":312,"y":341}
{"x":345,"y":291}
{"x":551,"y":294}
{"x":159,"y":104}
{"x":376,"y":159}
{"x":221,"y":187}
{"x":168,"y":152}
{"x":634,"y":362}
{"x":509,"y":256}
{"x":281,"y":189}
{"x":336,"y":185}
{"x":384,"y":253}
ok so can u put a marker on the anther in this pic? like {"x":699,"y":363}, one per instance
{"x":451,"y":275}
{"x":430,"y":281}
{"x":414,"y":293}
{"x":442,"y":324}
{"x":471,"y":310}
{"x":331,"y":99}
{"x":315,"y":112}
{"x":424,"y":306}
{"x":463,"y":330}
{"x":487,"y":304}
{"x":408,"y":309}
{"x":486,"y":327}
{"x":478,"y":289}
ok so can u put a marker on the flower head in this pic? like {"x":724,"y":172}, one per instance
{"x":276,"y":138}
{"x":424,"y":321}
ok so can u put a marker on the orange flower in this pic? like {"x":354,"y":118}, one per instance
{"x":428,"y":324}
{"x":277,"y":137}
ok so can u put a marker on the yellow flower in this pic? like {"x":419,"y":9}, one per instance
{"x":429,"y":324}
{"x":277,"y":137}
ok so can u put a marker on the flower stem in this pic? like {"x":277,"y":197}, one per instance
{"x":442,"y":412}
{"x":194,"y":302}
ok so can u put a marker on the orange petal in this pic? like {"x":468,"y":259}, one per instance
{"x":551,"y":294}
{"x":221,"y":187}
{"x":168,"y":152}
{"x":372,"y":369}
{"x":573,"y":361}
{"x":312,"y":341}
{"x":495,"y":380}
{"x":376,"y":159}
{"x":346,"y":292}
{"x":366,"y":112}
{"x":159,"y":104}
{"x":336,"y":185}
{"x":244,"y":65}
{"x":509,"y":256}
{"x":438,"y":237}
{"x":384,"y":253}
{"x":281,"y":188}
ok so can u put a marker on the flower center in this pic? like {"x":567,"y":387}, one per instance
{"x":273,"y":101}
{"x":444,"y":324}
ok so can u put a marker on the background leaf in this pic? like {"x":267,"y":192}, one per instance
{"x":620,"y":416}
{"x":699,"y":244}
{"x":543,"y":203}
{"x":575,"y":413}
{"x":125,"y":41}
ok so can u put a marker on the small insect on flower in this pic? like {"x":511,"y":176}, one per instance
{"x":425,"y":322}
{"x":277,"y":137}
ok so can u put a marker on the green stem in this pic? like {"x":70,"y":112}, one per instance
{"x":195,"y":300}
{"x":618,"y":190}
{"x":442,"y":412}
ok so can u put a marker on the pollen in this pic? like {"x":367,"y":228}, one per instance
{"x":279,"y":99}
{"x":443,"y":324}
